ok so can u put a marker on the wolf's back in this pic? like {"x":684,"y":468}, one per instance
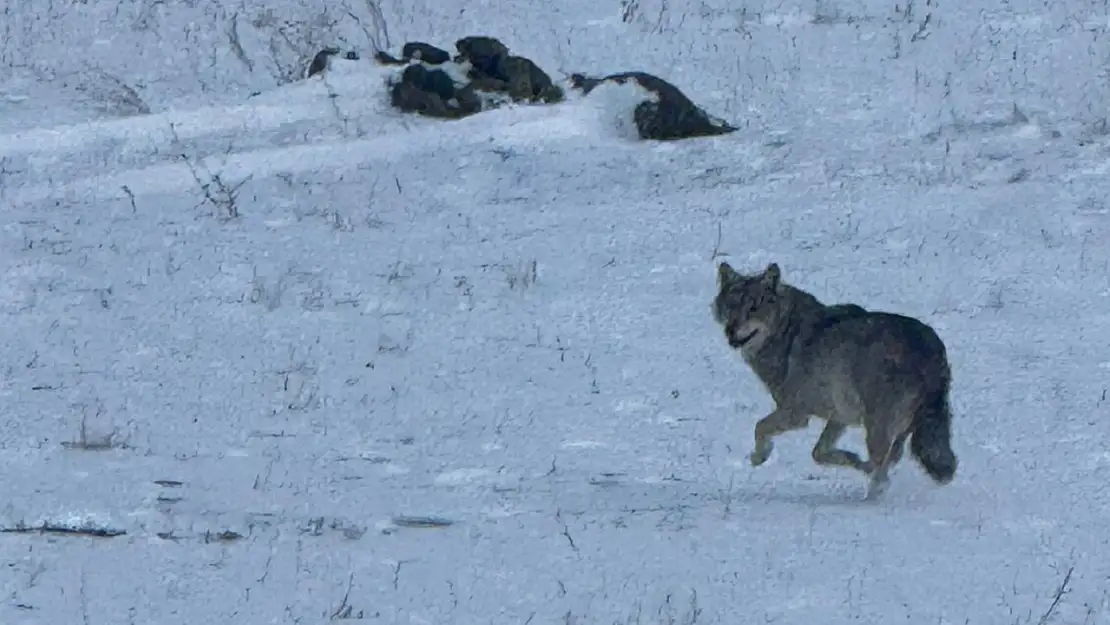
{"x":901,"y":350}
{"x":931,"y":438}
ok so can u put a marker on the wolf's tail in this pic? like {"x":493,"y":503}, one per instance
{"x":931,"y":440}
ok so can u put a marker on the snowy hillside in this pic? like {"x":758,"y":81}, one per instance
{"x":274,"y":353}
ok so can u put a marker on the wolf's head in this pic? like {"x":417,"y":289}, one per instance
{"x":750,"y":308}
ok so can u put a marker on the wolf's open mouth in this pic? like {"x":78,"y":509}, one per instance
{"x":736,"y":342}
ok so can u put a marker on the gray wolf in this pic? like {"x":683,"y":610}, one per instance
{"x":847,"y":365}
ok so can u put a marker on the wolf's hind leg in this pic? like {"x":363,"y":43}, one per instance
{"x":825,"y":452}
{"x":766,"y":429}
{"x":896,"y":449}
{"x":883,"y":453}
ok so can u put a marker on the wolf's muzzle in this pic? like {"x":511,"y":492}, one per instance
{"x":734,"y":341}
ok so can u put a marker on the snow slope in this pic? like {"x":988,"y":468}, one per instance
{"x":320,"y":361}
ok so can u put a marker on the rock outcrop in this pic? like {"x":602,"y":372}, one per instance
{"x":494,"y":70}
{"x":433,"y":93}
{"x":667,"y":115}
{"x":319,"y":62}
{"x":483,"y":75}
{"x":415,"y":51}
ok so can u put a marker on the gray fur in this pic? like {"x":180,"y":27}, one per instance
{"x":849,"y":366}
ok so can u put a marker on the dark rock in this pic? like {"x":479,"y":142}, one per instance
{"x":673,"y":116}
{"x":526,"y":81}
{"x":432,"y":93}
{"x":320,"y":61}
{"x":386,"y":58}
{"x":584,"y":83}
{"x":483,"y":53}
{"x":427,"y":53}
{"x":425,"y":90}
{"x":408,"y":98}
{"x":415,"y":51}
{"x":434,"y":81}
{"x":494,"y":70}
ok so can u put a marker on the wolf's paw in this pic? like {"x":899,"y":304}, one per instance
{"x":876,"y":488}
{"x":760,"y":455}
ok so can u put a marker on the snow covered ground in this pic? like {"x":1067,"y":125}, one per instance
{"x":315,"y":361}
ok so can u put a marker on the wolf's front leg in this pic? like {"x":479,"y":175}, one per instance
{"x":778,"y":422}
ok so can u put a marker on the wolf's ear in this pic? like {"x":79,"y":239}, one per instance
{"x":771,"y":277}
{"x":726,"y":275}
